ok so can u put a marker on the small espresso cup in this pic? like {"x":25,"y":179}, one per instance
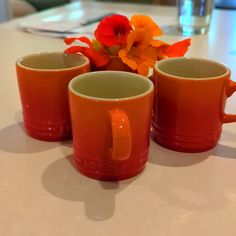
{"x":43,"y":80}
{"x":190,"y":97}
{"x":111,"y":119}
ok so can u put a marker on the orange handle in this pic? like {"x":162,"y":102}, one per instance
{"x":121,"y":135}
{"x":231,"y":88}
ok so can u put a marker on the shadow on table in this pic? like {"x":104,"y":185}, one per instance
{"x":165,"y":157}
{"x":62,"y":180}
{"x":193,"y":189}
{"x":14,"y":139}
{"x":205,"y":187}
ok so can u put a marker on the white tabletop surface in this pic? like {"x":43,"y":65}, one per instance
{"x":178,"y":194}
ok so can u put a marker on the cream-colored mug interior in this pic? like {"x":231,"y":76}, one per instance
{"x":192,"y":68}
{"x":110,"y":85}
{"x":52,"y":61}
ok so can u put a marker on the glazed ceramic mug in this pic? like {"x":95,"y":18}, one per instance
{"x":190,"y":97}
{"x":111,"y":120}
{"x":43,"y":80}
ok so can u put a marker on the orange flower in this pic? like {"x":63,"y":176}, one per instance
{"x":140,"y":53}
{"x":139,"y":59}
{"x":145,"y":23}
{"x":149,"y":28}
{"x":140,"y":38}
{"x":133,"y":41}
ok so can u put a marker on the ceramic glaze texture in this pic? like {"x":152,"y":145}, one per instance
{"x":101,"y":150}
{"x":44,"y":95}
{"x":189,"y":112}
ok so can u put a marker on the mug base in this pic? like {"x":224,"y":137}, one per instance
{"x":110,"y":170}
{"x":51,"y":138}
{"x":185,"y":149}
{"x":62,"y":133}
{"x":104,"y":177}
{"x":186,"y":143}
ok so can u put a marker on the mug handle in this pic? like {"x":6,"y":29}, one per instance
{"x":121,"y":135}
{"x":231,"y":88}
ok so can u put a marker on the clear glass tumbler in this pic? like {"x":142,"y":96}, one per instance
{"x":194,"y":16}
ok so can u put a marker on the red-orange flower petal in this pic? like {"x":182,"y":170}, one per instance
{"x":177,"y":49}
{"x":113,"y":30}
{"x":70,"y":40}
{"x":98,"y":57}
{"x":73,"y":50}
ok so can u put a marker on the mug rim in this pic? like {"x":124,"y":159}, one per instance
{"x":18,"y":62}
{"x":192,"y":78}
{"x":146,"y":79}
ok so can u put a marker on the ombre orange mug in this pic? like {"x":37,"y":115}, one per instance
{"x":190,"y":97}
{"x":43,"y":80}
{"x":111,"y":119}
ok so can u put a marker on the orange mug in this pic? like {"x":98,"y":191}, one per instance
{"x":111,"y":119}
{"x":190,"y":97}
{"x":43,"y":80}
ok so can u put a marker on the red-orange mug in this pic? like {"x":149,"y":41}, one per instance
{"x":43,"y":80}
{"x":111,"y":119}
{"x":190,"y":97}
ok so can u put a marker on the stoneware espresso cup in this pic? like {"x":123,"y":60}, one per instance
{"x":43,"y":80}
{"x":111,"y":118}
{"x":190,"y":96}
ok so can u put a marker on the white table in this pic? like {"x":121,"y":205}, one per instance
{"x":178,"y":194}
